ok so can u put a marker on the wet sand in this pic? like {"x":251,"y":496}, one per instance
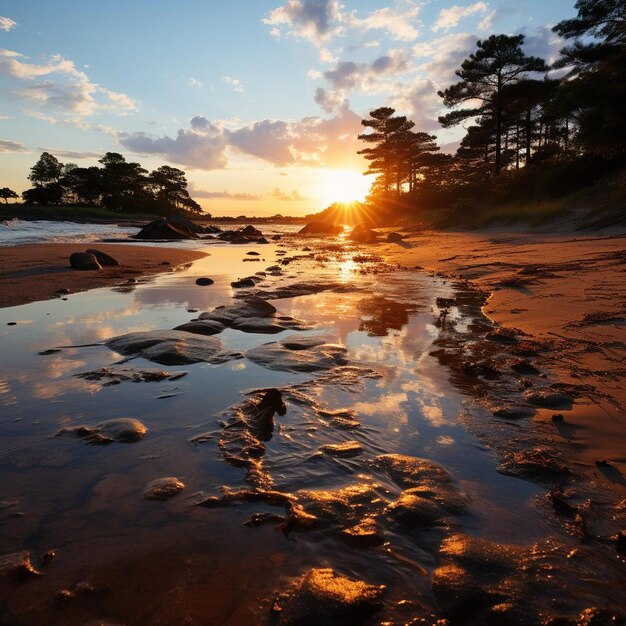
{"x":408,"y":478}
{"x":569,"y":293}
{"x":39,"y":271}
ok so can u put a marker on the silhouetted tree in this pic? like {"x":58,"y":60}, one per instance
{"x":499,"y":61}
{"x":170,"y":190}
{"x":45,"y":175}
{"x":385,"y":152}
{"x":6,"y":193}
{"x":124,"y":184}
{"x":594,"y":93}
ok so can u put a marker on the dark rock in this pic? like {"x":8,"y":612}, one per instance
{"x":522,"y":366}
{"x":410,"y":470}
{"x":123,"y":430}
{"x":203,"y":281}
{"x":17,"y":565}
{"x":171,"y":347}
{"x":49,"y":351}
{"x":183,"y":222}
{"x":557,"y":417}
{"x":243,"y":283}
{"x":363,"y":234}
{"x":276,"y":237}
{"x":253,"y":253}
{"x":163,"y":488}
{"x":414,"y":510}
{"x":548,"y":399}
{"x":251,"y":231}
{"x":84,"y":261}
{"x":103,"y":258}
{"x":346,"y":450}
{"x":394,"y":237}
{"x":320,"y":228}
{"x":165,"y":229}
{"x":295,"y":354}
{"x":324,"y":597}
{"x":202,"y":327}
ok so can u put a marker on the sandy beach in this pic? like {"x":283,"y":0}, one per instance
{"x":412,"y":443}
{"x":566,"y":291}
{"x":39,"y":271}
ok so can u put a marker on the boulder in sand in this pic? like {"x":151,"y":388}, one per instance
{"x":164,"y":229}
{"x":163,"y":488}
{"x":320,"y":228}
{"x":363,"y":234}
{"x":249,"y":315}
{"x":84,"y":261}
{"x":394,"y":237}
{"x":295,"y":354}
{"x":106,"y":260}
{"x":204,"y":281}
{"x":122,"y":429}
{"x":323,"y":596}
{"x":172,"y":347}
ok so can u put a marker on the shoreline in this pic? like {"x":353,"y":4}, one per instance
{"x":35,"y":272}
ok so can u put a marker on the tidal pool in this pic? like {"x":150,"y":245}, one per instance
{"x":173,"y":562}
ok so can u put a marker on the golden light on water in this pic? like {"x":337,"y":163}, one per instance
{"x":343,"y":186}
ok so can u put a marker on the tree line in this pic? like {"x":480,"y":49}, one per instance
{"x":117,"y":185}
{"x":525,"y":131}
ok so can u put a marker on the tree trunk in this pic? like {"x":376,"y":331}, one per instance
{"x":528,"y":134}
{"x":498,"y":165}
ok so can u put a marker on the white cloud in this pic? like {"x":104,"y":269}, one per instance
{"x":6,"y":23}
{"x":71,"y":92}
{"x":449,"y":18}
{"x":12,"y":146}
{"x":194,"y":82}
{"x":312,"y":141}
{"x":399,"y":23}
{"x":235,"y":83}
{"x":202,"y":146}
{"x":316,"y":20}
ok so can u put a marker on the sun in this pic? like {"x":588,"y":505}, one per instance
{"x":343,"y":186}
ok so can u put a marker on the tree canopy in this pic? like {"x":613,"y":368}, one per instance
{"x":117,"y":185}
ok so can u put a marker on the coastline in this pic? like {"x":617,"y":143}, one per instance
{"x":33,"y":272}
{"x":567,"y":293}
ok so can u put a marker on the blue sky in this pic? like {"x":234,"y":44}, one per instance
{"x":258,"y":100}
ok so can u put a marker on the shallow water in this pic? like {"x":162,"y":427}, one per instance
{"x":173,"y":562}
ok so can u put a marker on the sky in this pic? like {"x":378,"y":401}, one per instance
{"x":259,"y":101}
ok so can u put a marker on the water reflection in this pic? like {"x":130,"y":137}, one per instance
{"x":87,"y":500}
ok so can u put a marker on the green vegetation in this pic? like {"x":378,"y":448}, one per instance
{"x":63,"y":212}
{"x":116,"y":186}
{"x":532,"y":141}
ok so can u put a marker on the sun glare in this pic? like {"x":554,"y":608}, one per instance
{"x":343,"y":186}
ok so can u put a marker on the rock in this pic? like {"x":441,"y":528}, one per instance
{"x":276,"y":237}
{"x":18,"y":565}
{"x":525,"y":367}
{"x":164,"y":229}
{"x":84,"y":261}
{"x":202,"y":327}
{"x":251,"y":231}
{"x":363,"y":234}
{"x":410,"y":470}
{"x":293,"y":354}
{"x":253,"y":253}
{"x":548,"y":398}
{"x":203,"y":281}
{"x":346,"y":449}
{"x":557,"y":417}
{"x":394,"y":237}
{"x":115,"y":375}
{"x":324,"y":597}
{"x":320,"y":228}
{"x":171,"y":347}
{"x":123,"y":429}
{"x":253,"y":315}
{"x":366,"y":533}
{"x":181,"y":221}
{"x":512,"y":412}
{"x":413,"y":510}
{"x":103,"y":258}
{"x":163,"y":488}
{"x":243,"y":283}
{"x":261,"y":412}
